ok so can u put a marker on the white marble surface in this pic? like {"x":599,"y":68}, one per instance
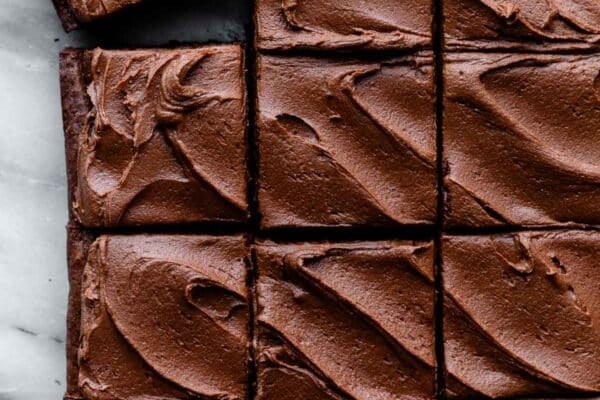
{"x":33,"y":207}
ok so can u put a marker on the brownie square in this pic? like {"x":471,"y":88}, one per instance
{"x":521,"y":139}
{"x":522,"y":24}
{"x":346,"y":142}
{"x":160,"y":316}
{"x":324,"y":25}
{"x":73,"y":13}
{"x":522,"y":314}
{"x":155,"y":136}
{"x":337,"y":321}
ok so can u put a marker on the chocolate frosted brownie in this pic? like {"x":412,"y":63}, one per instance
{"x":346,"y":142}
{"x":161,"y":316}
{"x":521,"y":139}
{"x":522,"y":314}
{"x":73,"y":13}
{"x":343,"y":25}
{"x":339,"y":321}
{"x":522,"y":24}
{"x":156,"y":136}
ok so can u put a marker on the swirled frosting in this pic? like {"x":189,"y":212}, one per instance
{"x":533,"y":24}
{"x":350,"y":24}
{"x":89,"y":10}
{"x":164,"y":317}
{"x":165,"y":139}
{"x":520,"y":132}
{"x":344,"y":142}
{"x":522,"y":314}
{"x":345,"y":321}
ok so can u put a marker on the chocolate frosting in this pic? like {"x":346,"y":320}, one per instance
{"x":521,"y":131}
{"x":344,"y":142}
{"x":164,"y":317}
{"x":533,"y":24}
{"x":351,"y":24}
{"x":165,"y":142}
{"x":345,"y":321}
{"x":522,"y":313}
{"x":89,"y":10}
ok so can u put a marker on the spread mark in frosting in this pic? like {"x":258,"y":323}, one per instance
{"x":322,"y":333}
{"x":144,"y":155}
{"x":520,"y":315}
{"x":162,"y":326}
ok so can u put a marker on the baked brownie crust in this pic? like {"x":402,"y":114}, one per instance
{"x":346,"y":142}
{"x":337,"y":321}
{"x":156,"y":137}
{"x":78,"y":244}
{"x":522,"y":315}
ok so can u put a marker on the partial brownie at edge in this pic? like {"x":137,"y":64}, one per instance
{"x":343,"y":25}
{"x":74,"y":13}
{"x":155,"y":136}
{"x":521,"y":139}
{"x":346,"y":142}
{"x":162,"y":316}
{"x":522,"y":24}
{"x":337,"y":321}
{"x":522,"y":314}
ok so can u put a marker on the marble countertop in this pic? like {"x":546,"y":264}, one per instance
{"x":33,"y":206}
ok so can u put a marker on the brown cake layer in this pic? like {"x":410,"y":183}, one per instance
{"x":521,"y":139}
{"x":74,"y":13}
{"x":155,"y":137}
{"x":522,"y":314}
{"x":157,"y":316}
{"x":345,"y":321}
{"x":536,"y":25}
{"x":346,"y":142}
{"x":327,"y":25}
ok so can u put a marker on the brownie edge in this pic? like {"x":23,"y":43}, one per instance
{"x":78,"y":243}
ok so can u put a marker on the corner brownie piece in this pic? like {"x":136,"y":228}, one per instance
{"x":73,"y":13}
{"x":346,"y":142}
{"x":521,"y":139}
{"x":162,"y":316}
{"x":522,"y":24}
{"x":343,"y":25}
{"x":155,"y":136}
{"x":337,"y":321}
{"x":522,"y":314}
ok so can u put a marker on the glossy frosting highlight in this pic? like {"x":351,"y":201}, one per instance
{"x":520,"y":132}
{"x":346,"y":25}
{"x":345,"y":142}
{"x":164,"y":317}
{"x":533,"y":24}
{"x":165,"y":139}
{"x":522,"y":314}
{"x":345,"y":321}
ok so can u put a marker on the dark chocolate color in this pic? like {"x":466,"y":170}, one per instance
{"x":341,"y":321}
{"x":343,"y":25}
{"x":346,"y":142}
{"x":537,"y":25}
{"x":521,"y":139}
{"x":74,"y":13}
{"x":522,"y":314}
{"x":160,"y":135}
{"x":162,"y":316}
